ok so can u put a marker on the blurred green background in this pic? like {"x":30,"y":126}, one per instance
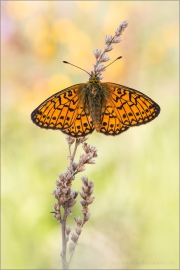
{"x":134,"y":223}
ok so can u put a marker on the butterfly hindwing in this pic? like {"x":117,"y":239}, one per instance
{"x":58,"y":111}
{"x":132,"y":107}
{"x":110,"y":122}
{"x":81,"y":126}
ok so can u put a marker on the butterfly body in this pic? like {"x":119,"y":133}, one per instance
{"x":93,"y":98}
{"x":106,"y":107}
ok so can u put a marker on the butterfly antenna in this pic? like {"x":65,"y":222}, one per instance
{"x":114,"y":61}
{"x":76,"y":66}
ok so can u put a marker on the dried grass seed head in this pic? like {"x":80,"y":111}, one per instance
{"x":90,"y":199}
{"x":74,"y":166}
{"x":74,"y":194}
{"x":61,"y":177}
{"x":91,"y":184}
{"x":85,"y":188}
{"x":56,"y":194}
{"x":78,"y":229}
{"x":83,"y":202}
{"x":97,"y":53}
{"x":74,"y":237}
{"x":121,"y":28}
{"x":78,"y":221}
{"x":68,"y":230}
{"x":99,"y":68}
{"x":85,"y":210}
{"x":70,"y":140}
{"x":72,"y":247}
{"x":108,"y":39}
{"x":101,"y":56}
{"x":69,"y":211}
{"x":116,"y":39}
{"x":81,"y":167}
{"x":83,"y":195}
{"x":56,"y":206}
{"x":87,"y":217}
{"x":71,"y":203}
{"x":81,"y":139}
{"x":108,"y":48}
{"x":105,"y":58}
{"x":57,"y":216}
{"x":84,"y":180}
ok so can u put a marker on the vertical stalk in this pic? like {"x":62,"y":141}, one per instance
{"x":63,"y":226}
{"x":66,"y":197}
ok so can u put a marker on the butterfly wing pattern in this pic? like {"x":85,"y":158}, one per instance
{"x":81,"y":126}
{"x":58,"y":111}
{"x":110,"y":122}
{"x":132,"y":107}
{"x":66,"y":110}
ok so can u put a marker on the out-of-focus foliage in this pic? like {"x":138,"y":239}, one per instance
{"x":134,"y":223}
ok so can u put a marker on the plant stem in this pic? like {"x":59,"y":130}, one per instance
{"x":67,"y":197}
{"x":75,"y":148}
{"x":63,"y":227}
{"x":65,"y":265}
{"x":72,"y":253}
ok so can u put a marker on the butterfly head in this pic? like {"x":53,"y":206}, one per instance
{"x":94,"y":77}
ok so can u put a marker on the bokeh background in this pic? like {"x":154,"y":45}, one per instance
{"x":134,"y":223}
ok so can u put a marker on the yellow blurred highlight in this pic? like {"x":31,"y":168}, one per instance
{"x":87,"y":5}
{"x":64,"y":30}
{"x":36,"y":26}
{"x":120,"y":12}
{"x":84,"y":50}
{"x":38,"y":93}
{"x":44,"y":40}
{"x":58,"y":82}
{"x":45,"y":47}
{"x":156,"y":51}
{"x":39,"y":86}
{"x":170,"y":39}
{"x":18,"y":10}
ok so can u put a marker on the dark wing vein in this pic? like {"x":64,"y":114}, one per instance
{"x":58,"y":111}
{"x":81,"y":126}
{"x":110,"y":122}
{"x":132,"y":107}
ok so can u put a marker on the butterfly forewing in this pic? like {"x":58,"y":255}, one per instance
{"x":59,"y":111}
{"x":132,"y":107}
{"x":110,"y":122}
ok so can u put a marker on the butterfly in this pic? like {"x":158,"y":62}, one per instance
{"x":106,"y":107}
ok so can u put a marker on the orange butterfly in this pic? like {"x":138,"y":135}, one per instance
{"x":108,"y":108}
